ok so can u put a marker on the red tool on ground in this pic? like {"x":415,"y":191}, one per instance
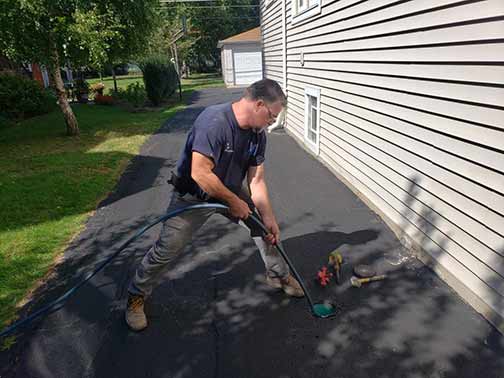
{"x":324,"y":276}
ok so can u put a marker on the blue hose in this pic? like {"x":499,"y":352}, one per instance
{"x":60,"y":301}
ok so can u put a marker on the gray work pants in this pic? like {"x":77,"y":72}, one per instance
{"x":176,"y":233}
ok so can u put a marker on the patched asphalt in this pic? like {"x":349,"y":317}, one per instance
{"x":213,"y":315}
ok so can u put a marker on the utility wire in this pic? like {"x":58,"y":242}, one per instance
{"x":220,"y":6}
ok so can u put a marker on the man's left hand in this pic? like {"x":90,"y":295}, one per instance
{"x":273,"y":236}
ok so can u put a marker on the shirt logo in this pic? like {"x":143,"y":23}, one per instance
{"x":253,"y":149}
{"x":228,"y":147}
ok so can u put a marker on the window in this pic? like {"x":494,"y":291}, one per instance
{"x":45,"y":77}
{"x":303,"y":9}
{"x":312,"y":118}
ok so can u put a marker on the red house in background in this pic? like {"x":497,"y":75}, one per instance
{"x":33,"y":70}
{"x":37,"y":75}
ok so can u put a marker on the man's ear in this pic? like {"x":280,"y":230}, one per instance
{"x":258,"y":105}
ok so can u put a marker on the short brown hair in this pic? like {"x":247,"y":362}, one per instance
{"x":267,"y":90}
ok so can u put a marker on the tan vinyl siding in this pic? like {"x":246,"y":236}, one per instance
{"x":361,"y":21}
{"x":272,"y":42}
{"x":412,"y":116}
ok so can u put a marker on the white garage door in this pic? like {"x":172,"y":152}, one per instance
{"x":247,"y":66}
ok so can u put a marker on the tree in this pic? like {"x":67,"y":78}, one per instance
{"x":207,"y":23}
{"x":75,"y":32}
{"x":225,"y":21}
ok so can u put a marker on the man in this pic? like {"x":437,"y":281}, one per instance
{"x":225,"y":145}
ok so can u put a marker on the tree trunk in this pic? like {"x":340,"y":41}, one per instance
{"x":72,"y":127}
{"x":177,"y":68}
{"x":114,"y":77}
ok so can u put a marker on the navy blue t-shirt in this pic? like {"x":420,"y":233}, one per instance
{"x":216,"y":134}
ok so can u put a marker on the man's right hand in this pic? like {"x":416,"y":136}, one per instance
{"x":202,"y":172}
{"x":239,"y":209}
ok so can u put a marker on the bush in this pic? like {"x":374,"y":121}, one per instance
{"x":4,"y":121}
{"x":21,"y":97}
{"x":82,"y":90}
{"x":160,"y":78}
{"x":134,"y":95}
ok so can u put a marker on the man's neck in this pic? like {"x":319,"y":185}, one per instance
{"x":240,"y":113}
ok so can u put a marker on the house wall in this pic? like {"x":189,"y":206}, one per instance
{"x":272,"y":43}
{"x":412,"y":100}
{"x":37,"y":74}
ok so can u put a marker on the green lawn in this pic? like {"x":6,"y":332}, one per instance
{"x":122,"y":81}
{"x":203,"y":81}
{"x":195,"y":81}
{"x":51,"y":183}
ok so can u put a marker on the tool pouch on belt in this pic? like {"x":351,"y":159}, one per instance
{"x":184,"y":185}
{"x":181,"y":184}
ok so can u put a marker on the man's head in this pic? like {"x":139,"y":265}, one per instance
{"x":265,"y":100}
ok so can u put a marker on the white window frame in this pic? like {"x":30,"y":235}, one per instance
{"x":45,"y":76}
{"x":306,"y":12}
{"x":314,"y":92}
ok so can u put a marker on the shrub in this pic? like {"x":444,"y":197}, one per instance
{"x":82,"y":90}
{"x":160,"y":78}
{"x":81,"y":86}
{"x":134,"y":95}
{"x":21,"y":97}
{"x":4,"y":121}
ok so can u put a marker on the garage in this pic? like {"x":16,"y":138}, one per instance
{"x":241,"y":58}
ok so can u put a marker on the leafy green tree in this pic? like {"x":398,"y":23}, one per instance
{"x":75,"y":32}
{"x":207,"y":23}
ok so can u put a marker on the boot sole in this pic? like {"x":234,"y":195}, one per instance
{"x":135,"y":328}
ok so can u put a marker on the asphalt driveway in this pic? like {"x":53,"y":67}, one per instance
{"x":214,"y":316}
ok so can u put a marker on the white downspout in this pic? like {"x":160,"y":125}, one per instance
{"x":284,"y":30}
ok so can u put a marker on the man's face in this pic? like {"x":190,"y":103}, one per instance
{"x":266,"y":114}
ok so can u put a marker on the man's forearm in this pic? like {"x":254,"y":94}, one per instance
{"x":214,"y":187}
{"x":260,"y":197}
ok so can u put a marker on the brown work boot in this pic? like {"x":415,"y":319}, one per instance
{"x":289,"y":285}
{"x":135,"y":315}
